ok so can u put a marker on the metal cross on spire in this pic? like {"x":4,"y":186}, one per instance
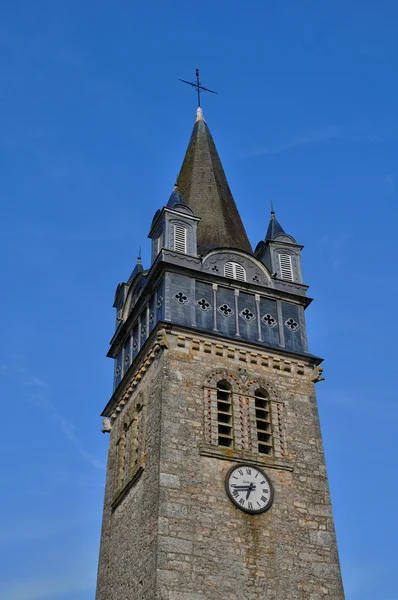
{"x":198,"y":86}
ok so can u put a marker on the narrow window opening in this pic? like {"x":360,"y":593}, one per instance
{"x":180,"y":238}
{"x":224,"y":414}
{"x":223,"y":407}
{"x":286,"y":266}
{"x":234,"y":271}
{"x":223,"y":418}
{"x":263,"y":422}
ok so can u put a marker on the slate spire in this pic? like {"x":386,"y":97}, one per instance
{"x":274,"y":226}
{"x":175,"y":198}
{"x":204,"y":187}
{"x":138,"y":267}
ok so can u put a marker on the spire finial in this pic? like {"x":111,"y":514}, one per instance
{"x":272,"y":210}
{"x":199,"y":88}
{"x":199,"y":114}
{"x":139,"y":257}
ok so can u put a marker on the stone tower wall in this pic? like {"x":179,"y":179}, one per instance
{"x":210,"y":550}
{"x":175,"y":535}
{"x":128,"y":555}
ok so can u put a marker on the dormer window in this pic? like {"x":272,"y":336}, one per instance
{"x":286,"y":266}
{"x":234,"y":271}
{"x":180,"y":239}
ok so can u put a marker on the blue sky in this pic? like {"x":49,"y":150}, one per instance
{"x":93,"y":128}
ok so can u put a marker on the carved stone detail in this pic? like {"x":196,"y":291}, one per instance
{"x":317,"y":374}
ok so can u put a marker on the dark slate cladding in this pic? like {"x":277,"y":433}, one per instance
{"x":226,"y":319}
{"x":293,"y":338}
{"x":178,"y":299}
{"x":269,"y":324}
{"x":248,"y":322}
{"x":152,"y":312}
{"x":204,"y":318}
{"x":118,"y":368}
{"x":204,"y":187}
{"x":160,"y":301}
{"x":137,"y":293}
{"x":126,"y":354}
{"x":143,"y":328}
{"x":135,"y":342}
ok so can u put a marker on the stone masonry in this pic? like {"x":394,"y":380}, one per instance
{"x":171,"y":532}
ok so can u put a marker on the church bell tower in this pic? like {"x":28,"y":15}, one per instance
{"x":216,"y":485}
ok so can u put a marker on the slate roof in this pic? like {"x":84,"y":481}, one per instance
{"x":204,"y":187}
{"x":137,"y":269}
{"x":274,"y":228}
{"x":175,"y":198}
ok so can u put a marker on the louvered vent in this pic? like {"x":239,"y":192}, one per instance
{"x":285,"y":263}
{"x":234,"y":271}
{"x":180,"y":238}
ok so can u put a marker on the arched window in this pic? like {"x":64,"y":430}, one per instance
{"x":234,"y":271}
{"x":263,"y":422}
{"x":224,"y":414}
{"x":286,"y":266}
{"x":180,"y":238}
{"x":242,"y":417}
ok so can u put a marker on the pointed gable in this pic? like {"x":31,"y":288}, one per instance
{"x":204,"y":187}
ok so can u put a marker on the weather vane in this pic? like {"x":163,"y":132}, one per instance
{"x":198,"y":86}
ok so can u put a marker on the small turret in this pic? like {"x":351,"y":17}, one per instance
{"x":279,"y":252}
{"x":174,"y":227}
{"x":137,"y":269}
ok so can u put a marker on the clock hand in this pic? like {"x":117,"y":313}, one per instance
{"x":250,"y":489}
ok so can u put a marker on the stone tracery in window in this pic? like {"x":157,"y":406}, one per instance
{"x":203,"y":304}
{"x":225,"y":310}
{"x":292,"y":324}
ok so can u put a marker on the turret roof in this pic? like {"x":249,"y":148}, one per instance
{"x":175,"y":198}
{"x":274,"y":227}
{"x":137,"y":269}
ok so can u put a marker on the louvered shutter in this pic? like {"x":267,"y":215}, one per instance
{"x":240,"y":273}
{"x":234,"y":271}
{"x":180,"y":238}
{"x":286,"y":267}
{"x":229,"y":270}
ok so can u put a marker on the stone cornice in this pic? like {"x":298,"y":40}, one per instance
{"x":167,"y":336}
{"x":242,"y":350}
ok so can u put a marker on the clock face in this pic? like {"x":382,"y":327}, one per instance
{"x":249,"y":488}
